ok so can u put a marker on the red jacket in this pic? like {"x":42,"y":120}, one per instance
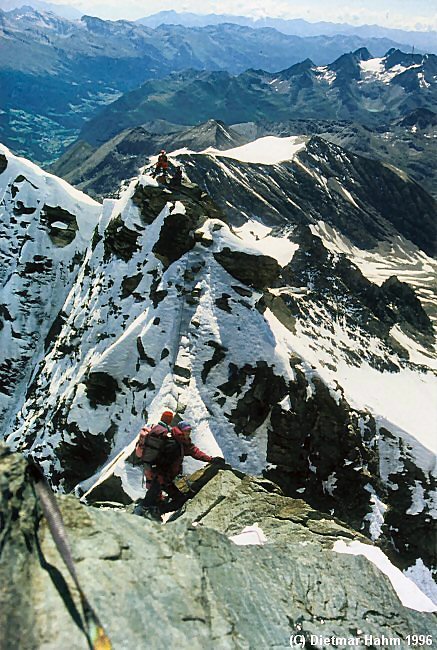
{"x":162,"y":162}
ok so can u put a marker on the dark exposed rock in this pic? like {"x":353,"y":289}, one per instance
{"x":120,"y":240}
{"x":182,"y":372}
{"x":55,"y":330}
{"x":242,"y":291}
{"x":129,"y":284}
{"x":150,"y":201}
{"x":256,"y":271}
{"x":317,"y":438}
{"x":142,"y":353}
{"x":177,"y":235}
{"x":336,"y":281}
{"x":3,"y":163}
{"x":223,"y":303}
{"x":406,"y":305}
{"x":217,"y":357}
{"x":409,"y":526}
{"x":421,"y":117}
{"x":11,"y":374}
{"x":156,"y":295}
{"x":265,"y":390}
{"x":20,"y":209}
{"x":109,"y":490}
{"x":4,"y":315}
{"x":101,"y":388}
{"x":81,"y":454}
{"x":38,"y":265}
{"x":236,"y":378}
{"x":97,"y":237}
{"x":60,"y":236}
{"x":284,"y":308}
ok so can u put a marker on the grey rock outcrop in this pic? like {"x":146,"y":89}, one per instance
{"x":186,"y":584}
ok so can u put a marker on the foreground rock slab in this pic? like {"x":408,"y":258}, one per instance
{"x":185,"y":584}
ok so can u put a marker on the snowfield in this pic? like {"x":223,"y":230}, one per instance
{"x":269,"y":150}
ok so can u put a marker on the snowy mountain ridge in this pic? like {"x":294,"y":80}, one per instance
{"x":45,"y":229}
{"x":248,"y":314}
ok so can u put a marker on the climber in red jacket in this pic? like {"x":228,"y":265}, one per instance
{"x":161,"y":167}
{"x":161,"y":474}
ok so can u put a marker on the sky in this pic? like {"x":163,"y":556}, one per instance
{"x":405,"y":14}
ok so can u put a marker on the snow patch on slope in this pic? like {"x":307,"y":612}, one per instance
{"x":408,"y":592}
{"x":376,"y":516}
{"x":47,"y":188}
{"x":269,"y":150}
{"x":422,"y":577}
{"x":374,"y":70}
{"x":250,"y":536}
{"x":253,"y":238}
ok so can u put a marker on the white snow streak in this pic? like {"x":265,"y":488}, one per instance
{"x":409,"y":593}
{"x":250,"y":536}
{"x":269,"y":150}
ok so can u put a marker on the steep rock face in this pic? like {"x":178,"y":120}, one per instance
{"x":375,"y":308}
{"x":257,"y":272}
{"x":45,"y":229}
{"x":208,"y":590}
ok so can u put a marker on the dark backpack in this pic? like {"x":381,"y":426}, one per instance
{"x":155,"y":447}
{"x":150,"y":441}
{"x":169,"y":453}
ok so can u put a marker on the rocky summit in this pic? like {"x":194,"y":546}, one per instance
{"x":242,"y":567}
{"x":283,"y":301}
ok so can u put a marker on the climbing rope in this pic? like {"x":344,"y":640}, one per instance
{"x":94,"y":631}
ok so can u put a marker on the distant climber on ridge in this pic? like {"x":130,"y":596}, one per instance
{"x":161,"y":167}
{"x":164,"y":449}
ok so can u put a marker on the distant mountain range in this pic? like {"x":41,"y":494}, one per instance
{"x":65,"y":11}
{"x":55,"y":73}
{"x":355,"y":87}
{"x":426,"y":41}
